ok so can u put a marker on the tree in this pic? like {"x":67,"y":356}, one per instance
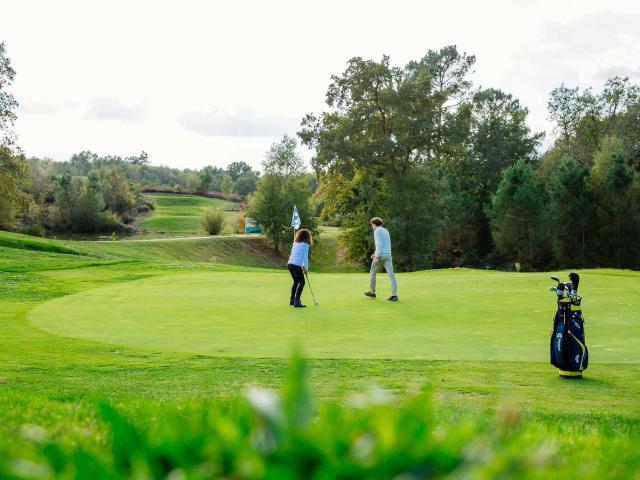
{"x":13,"y":172}
{"x":80,"y":164}
{"x":457,"y":238}
{"x":272,"y":204}
{"x":87,"y":214}
{"x":283,"y":186}
{"x":283,"y":159}
{"x":618,"y":209}
{"x":245,"y":185}
{"x":65,"y":198}
{"x":569,"y":213}
{"x":142,"y":159}
{"x":384,"y":125}
{"x":414,"y":217}
{"x":8,"y":102}
{"x":498,"y":135}
{"x":565,"y":109}
{"x":226,"y":186}
{"x":239,"y":169}
{"x":117,"y":194}
{"x":39,"y":182}
{"x":206,"y":176}
{"x":515,"y":214}
{"x":193,"y":181}
{"x":13,"y":167}
{"x":584,"y":119}
{"x":603,"y":159}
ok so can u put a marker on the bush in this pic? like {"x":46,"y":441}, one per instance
{"x":111,"y":222}
{"x":241,"y":223}
{"x":35,"y":230}
{"x":213,"y":221}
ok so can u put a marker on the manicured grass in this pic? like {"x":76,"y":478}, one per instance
{"x":477,"y":340}
{"x":24,"y":242}
{"x":443,"y":315}
{"x":182,"y":214}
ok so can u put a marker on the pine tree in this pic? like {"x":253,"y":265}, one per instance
{"x":569,"y":213}
{"x":515,"y":214}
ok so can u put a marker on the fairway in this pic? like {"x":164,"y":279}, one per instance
{"x":182,"y":214}
{"x":442,"y":315}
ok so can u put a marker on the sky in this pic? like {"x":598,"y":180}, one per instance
{"x":197,"y":83}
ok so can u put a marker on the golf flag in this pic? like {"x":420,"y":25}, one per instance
{"x":295,"y":219}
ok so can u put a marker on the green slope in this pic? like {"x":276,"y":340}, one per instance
{"x":19,"y":253}
{"x":182,"y":214}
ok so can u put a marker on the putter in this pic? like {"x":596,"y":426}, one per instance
{"x":311,"y":289}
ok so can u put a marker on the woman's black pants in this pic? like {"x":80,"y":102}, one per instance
{"x":298,"y":280}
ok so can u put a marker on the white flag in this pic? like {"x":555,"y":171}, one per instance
{"x":295,"y":219}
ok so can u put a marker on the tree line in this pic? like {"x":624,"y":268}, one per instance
{"x":458,"y":176}
{"x":90,"y":193}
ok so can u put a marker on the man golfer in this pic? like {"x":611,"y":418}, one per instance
{"x":382,"y":256}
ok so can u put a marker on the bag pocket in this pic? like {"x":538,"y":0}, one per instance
{"x":557,"y":346}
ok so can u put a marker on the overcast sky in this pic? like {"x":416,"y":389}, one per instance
{"x":205,"y":82}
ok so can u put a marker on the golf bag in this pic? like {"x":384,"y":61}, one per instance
{"x":568,"y":346}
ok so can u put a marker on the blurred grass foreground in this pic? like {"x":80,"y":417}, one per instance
{"x":281,"y":435}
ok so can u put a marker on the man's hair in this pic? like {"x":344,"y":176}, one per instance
{"x":377,"y":221}
{"x":304,"y":235}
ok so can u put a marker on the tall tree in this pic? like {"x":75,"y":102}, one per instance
{"x":457,"y":240}
{"x":226,"y":186}
{"x":65,"y":199}
{"x":569,"y":214}
{"x":117,"y":194}
{"x":13,"y":166}
{"x":283,"y":186}
{"x":498,"y":136}
{"x":515,"y":214}
{"x":239,"y":169}
{"x":13,"y":172}
{"x":206,"y":177}
{"x":584,"y":119}
{"x":385,"y":124}
{"x":8,"y":103}
{"x":245,"y":185}
{"x":283,"y":158}
{"x":88,"y":211}
{"x":618,"y":208}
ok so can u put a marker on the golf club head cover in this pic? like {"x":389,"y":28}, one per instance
{"x":575,"y":280}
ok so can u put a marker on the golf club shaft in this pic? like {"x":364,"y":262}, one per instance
{"x":310,"y":289}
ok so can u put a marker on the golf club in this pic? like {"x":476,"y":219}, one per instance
{"x":310,"y":289}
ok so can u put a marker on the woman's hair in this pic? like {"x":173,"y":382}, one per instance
{"x":377,"y":221}
{"x":304,"y":235}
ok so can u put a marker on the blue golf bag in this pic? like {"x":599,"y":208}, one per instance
{"x":568,"y":347}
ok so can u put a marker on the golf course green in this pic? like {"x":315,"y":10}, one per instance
{"x":443,"y":315}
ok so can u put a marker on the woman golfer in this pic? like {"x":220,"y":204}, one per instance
{"x":298,"y":264}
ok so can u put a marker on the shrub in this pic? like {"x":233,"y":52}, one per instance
{"x":213,"y":221}
{"x":111,"y":222}
{"x":34,"y":229}
{"x":241,"y":223}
